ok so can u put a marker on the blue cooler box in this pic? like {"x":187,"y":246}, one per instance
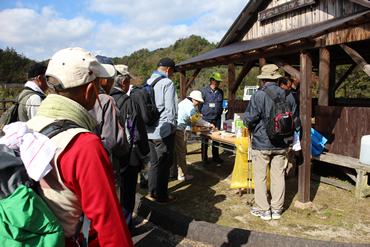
{"x":318,"y":142}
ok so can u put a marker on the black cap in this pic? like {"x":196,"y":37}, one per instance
{"x":36,"y":69}
{"x":167,"y":62}
{"x":104,"y":60}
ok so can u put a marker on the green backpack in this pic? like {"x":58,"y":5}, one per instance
{"x":11,"y":115}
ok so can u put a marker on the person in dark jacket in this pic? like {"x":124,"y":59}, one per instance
{"x":33,"y":93}
{"x":211,"y":110}
{"x":265,"y":151}
{"x":139,"y":152}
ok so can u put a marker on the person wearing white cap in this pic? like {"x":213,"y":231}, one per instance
{"x":266,"y":151}
{"x":82,"y":179}
{"x":186,"y":116}
{"x":139,"y":152}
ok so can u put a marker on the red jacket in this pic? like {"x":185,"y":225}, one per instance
{"x":85,"y":169}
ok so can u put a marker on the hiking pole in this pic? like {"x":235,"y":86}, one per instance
{"x":248,"y":175}
{"x":249,"y":171}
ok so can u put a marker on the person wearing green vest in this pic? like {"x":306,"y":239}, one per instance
{"x":33,"y":94}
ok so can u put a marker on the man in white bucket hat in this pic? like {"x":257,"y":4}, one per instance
{"x":82,"y":178}
{"x":186,"y":116}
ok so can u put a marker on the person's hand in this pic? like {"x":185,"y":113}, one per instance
{"x":212,"y":126}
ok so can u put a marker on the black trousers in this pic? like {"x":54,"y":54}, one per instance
{"x":160,"y":163}
{"x":128,"y":192}
{"x":215,"y":153}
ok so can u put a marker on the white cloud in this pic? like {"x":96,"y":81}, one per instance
{"x":41,"y":35}
{"x":146,"y":27}
{"x":114,"y":27}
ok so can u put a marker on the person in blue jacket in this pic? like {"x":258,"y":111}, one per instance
{"x":211,"y":110}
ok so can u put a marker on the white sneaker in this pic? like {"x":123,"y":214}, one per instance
{"x":263,"y":215}
{"x":186,"y":177}
{"x":276,"y":213}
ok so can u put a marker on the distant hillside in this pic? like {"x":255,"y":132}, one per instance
{"x":13,"y":66}
{"x":141,"y":64}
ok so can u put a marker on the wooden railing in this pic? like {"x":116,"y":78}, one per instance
{"x":5,"y":105}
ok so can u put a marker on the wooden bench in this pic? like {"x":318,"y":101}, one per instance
{"x":362,"y":188}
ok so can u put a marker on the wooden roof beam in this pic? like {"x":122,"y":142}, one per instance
{"x":357,"y":58}
{"x":365,"y":3}
{"x":344,"y":77}
{"x":192,"y":78}
{"x":286,"y":67}
{"x":246,"y":68}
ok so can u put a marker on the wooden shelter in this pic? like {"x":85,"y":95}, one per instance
{"x":299,"y":36}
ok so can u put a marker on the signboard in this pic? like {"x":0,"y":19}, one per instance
{"x":283,"y":8}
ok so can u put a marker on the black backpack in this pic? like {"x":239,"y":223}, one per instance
{"x":11,"y":115}
{"x":281,"y":123}
{"x":145,"y":98}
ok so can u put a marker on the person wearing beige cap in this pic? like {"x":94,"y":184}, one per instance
{"x":266,"y":151}
{"x":82,"y":179}
{"x":186,"y":116}
{"x":139,"y":152}
{"x":110,"y":124}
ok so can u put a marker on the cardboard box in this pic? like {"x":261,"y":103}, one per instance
{"x":228,"y":125}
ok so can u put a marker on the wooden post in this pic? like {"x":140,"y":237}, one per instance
{"x":332,"y":83}
{"x":305,"y":114}
{"x":262,"y":63}
{"x":182,"y":85}
{"x":324,"y":71}
{"x":231,"y":82}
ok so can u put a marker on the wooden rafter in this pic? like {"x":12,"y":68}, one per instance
{"x":344,"y":77}
{"x":286,"y":67}
{"x":246,"y":68}
{"x":357,"y":58}
{"x":254,"y":56}
{"x":192,"y":78}
{"x":365,"y":3}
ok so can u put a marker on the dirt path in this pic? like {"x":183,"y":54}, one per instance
{"x":335,"y":214}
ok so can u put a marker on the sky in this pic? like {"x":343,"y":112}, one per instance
{"x":114,"y":28}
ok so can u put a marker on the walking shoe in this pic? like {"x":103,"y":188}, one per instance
{"x":276,"y":213}
{"x":173,"y":175}
{"x":264,"y":215}
{"x":150,"y":197}
{"x":170,"y":199}
{"x":186,"y":177}
{"x":218,"y":160}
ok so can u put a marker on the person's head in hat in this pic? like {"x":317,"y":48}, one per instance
{"x":196,"y":97}
{"x":73,"y":73}
{"x":36,"y":74}
{"x":269,"y":73}
{"x":215,"y":80}
{"x":105,"y":83}
{"x":167,"y":66}
{"x":123,"y":77}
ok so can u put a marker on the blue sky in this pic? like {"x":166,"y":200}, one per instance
{"x":113,"y":28}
